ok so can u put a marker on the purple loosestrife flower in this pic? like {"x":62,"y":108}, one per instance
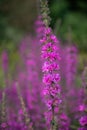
{"x":30,"y":82}
{"x":33,"y":94}
{"x":25,"y":113}
{"x":83,"y":121}
{"x":71,"y":72}
{"x":71,"y":64}
{"x":84,"y":77}
{"x":51,"y":76}
{"x":83,"y":103}
{"x":3,"y":122}
{"x":4,"y":125}
{"x":49,"y":67}
{"x":64,"y":122}
{"x":82,"y":107}
{"x":39,"y":26}
{"x":49,"y":79}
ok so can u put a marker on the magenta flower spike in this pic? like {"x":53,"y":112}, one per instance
{"x":50,"y":68}
{"x":51,"y":76}
{"x":83,"y":104}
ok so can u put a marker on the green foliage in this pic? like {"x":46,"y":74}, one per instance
{"x":58,"y":9}
{"x":79,"y":29}
{"x":72,"y":14}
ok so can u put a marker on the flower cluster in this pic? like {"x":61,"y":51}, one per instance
{"x":50,"y":69}
{"x":83,"y":103}
{"x":39,"y":26}
{"x":84,"y":77}
{"x":64,"y":122}
{"x":82,"y":107}
{"x":83,"y":121}
{"x":71,"y":64}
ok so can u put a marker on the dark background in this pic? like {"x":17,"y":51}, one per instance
{"x":17,"y":18}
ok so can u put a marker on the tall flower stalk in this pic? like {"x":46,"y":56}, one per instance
{"x":83,"y":104}
{"x":27,"y":119}
{"x":51,"y":76}
{"x":71,"y":61}
{"x":3,"y":112}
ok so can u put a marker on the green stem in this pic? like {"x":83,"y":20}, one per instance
{"x":53,"y":119}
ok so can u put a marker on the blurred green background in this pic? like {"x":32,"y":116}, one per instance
{"x":17,"y":19}
{"x":73,"y":14}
